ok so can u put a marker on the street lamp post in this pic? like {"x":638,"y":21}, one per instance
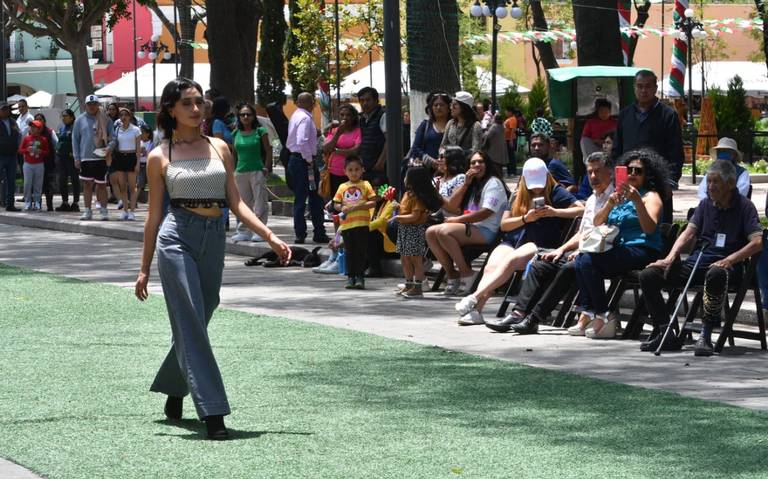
{"x":690,"y":28}
{"x":496,"y":9}
{"x":3,"y":60}
{"x":152,"y":50}
{"x":135,"y":62}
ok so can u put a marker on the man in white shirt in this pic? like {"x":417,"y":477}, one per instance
{"x":302,"y":143}
{"x":24,"y":118}
{"x":552,"y":274}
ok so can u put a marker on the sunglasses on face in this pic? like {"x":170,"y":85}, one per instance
{"x":635,"y":170}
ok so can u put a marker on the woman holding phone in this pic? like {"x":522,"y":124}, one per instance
{"x":540,"y":209}
{"x":635,"y":209}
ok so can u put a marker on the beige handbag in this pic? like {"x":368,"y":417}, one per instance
{"x":599,"y":239}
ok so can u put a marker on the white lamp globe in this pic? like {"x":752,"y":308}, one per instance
{"x":152,"y":55}
{"x":516,"y":12}
{"x":699,"y":34}
{"x":682,"y":36}
{"x":155,"y":37}
{"x":486,"y":10}
{"x":574,"y":45}
{"x":141,"y":54}
{"x":476,"y":10}
{"x":501,"y":12}
{"x":688,"y":13}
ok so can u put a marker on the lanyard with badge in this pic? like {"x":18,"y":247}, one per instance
{"x":719,"y":237}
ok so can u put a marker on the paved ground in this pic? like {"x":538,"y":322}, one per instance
{"x":737,"y":377}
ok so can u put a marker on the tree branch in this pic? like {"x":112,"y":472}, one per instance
{"x":166,"y":22}
{"x":546,"y":53}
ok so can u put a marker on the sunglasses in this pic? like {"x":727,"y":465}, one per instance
{"x":635,"y":170}
{"x":245,"y":115}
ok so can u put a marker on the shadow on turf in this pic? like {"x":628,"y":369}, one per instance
{"x":198,"y":429}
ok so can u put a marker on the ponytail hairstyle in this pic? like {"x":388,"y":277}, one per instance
{"x":171,"y":94}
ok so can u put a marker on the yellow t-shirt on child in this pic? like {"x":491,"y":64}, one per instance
{"x":352,"y":194}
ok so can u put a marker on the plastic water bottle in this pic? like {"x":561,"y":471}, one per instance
{"x":341,"y":260}
{"x":311,"y":178}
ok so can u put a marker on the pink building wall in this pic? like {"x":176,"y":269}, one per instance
{"x":124,"y":51}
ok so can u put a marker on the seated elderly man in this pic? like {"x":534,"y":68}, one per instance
{"x":726,"y":224}
{"x":552,"y":274}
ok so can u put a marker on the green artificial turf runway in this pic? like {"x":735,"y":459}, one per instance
{"x":317,"y":402}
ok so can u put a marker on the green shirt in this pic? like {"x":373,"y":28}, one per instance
{"x":249,"y":154}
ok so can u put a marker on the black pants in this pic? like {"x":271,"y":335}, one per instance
{"x":67,"y":173}
{"x":653,"y":280}
{"x":355,"y":250}
{"x":668,"y":209}
{"x":544,"y":286}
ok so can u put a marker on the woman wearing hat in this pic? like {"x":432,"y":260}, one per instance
{"x":728,"y":150}
{"x":539,"y":212}
{"x":463,"y":129}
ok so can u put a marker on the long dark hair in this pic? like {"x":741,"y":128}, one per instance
{"x":475,"y":190}
{"x":172,"y":94}
{"x":418,"y":182}
{"x":431,"y":98}
{"x":655,"y":171}
{"x":455,"y":160}
{"x":467,"y":114}
{"x":220,"y":109}
{"x":252,"y":108}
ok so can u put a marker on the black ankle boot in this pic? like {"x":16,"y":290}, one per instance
{"x":173,"y":407}
{"x":529,"y":325}
{"x":216,"y":429}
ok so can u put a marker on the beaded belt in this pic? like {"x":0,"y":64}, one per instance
{"x":198,"y":202}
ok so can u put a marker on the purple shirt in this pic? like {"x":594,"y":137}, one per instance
{"x":302,"y":135}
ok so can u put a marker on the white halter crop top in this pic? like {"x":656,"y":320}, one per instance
{"x":196,"y":182}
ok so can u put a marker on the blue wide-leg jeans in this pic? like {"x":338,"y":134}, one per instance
{"x":190,"y":259}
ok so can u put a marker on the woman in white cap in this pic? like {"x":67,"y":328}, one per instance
{"x":463,"y":129}
{"x":540,"y":210}
{"x":728,"y":150}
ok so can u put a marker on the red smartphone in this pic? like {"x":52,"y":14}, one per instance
{"x":620,"y":176}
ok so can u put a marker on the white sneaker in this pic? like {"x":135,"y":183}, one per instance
{"x":451,"y":287}
{"x":87,"y":215}
{"x":466,"y":304}
{"x":131,"y":216}
{"x":472,"y":318}
{"x":120,"y":205}
{"x":241,"y":237}
{"x":124,"y":216}
{"x":104,"y":214}
{"x":256,"y":238}
{"x":327,"y":268}
{"x":37,"y":206}
{"x":27,"y":206}
{"x":97,"y":205}
{"x":326,"y":263}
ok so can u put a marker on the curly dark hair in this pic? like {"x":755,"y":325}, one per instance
{"x":655,"y":169}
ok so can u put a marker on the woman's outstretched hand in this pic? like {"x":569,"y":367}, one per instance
{"x":140,"y":290}
{"x":282,"y":250}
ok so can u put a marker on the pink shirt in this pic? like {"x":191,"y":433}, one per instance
{"x":346,"y":141}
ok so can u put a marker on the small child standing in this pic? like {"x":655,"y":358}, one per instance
{"x":35,"y":149}
{"x":147,"y":144}
{"x":419,"y":199}
{"x":354,"y":199}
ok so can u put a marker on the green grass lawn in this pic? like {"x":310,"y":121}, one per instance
{"x":317,"y":402}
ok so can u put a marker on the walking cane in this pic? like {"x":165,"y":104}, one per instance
{"x":680,"y":299}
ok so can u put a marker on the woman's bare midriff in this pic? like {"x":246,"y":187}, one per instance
{"x":212,"y":212}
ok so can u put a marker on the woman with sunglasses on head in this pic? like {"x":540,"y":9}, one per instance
{"x":253,"y":160}
{"x":635,"y":208}
{"x":429,"y":134}
{"x":482,"y":199}
{"x":197,"y":172}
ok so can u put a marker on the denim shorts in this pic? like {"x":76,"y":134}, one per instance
{"x":488,"y":234}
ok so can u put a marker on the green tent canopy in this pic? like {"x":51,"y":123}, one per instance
{"x":573,"y":90}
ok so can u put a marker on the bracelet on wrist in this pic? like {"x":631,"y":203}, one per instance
{"x":523,"y":218}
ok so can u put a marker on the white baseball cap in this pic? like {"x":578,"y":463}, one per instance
{"x":91,"y":99}
{"x":464,"y":97}
{"x":535,"y":173}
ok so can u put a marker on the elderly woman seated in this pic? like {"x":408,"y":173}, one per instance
{"x":633,"y":212}
{"x":540,"y":210}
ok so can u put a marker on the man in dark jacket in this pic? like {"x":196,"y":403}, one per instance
{"x":373,"y":127}
{"x":9,"y":145}
{"x":650,"y":123}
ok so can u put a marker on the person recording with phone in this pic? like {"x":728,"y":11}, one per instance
{"x":728,"y":223}
{"x":633,"y":212}
{"x":540,"y":210}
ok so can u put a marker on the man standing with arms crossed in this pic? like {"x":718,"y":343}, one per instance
{"x":92,"y":132}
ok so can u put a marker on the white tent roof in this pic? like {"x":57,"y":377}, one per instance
{"x":15,"y":98}
{"x":353,"y":82}
{"x":40,"y":99}
{"x":718,"y":74}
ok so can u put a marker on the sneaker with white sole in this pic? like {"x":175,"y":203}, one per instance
{"x":104,"y":214}
{"x":87,"y":215}
{"x":472,"y":318}
{"x":120,"y":205}
{"x":241,"y":237}
{"x":124,"y":216}
{"x":131,"y":216}
{"x":328,"y":267}
{"x":27,"y":206}
{"x":256,"y":238}
{"x":466,"y":304}
{"x":452,"y":287}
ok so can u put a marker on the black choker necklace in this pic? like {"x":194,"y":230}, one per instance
{"x":177,"y":140}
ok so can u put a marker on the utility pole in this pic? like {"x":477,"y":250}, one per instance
{"x":393,"y":94}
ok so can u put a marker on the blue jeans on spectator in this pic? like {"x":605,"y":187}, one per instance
{"x":592,"y":269}
{"x":190,"y":260}
{"x":300,"y":174}
{"x":8,"y":173}
{"x":762,"y":275}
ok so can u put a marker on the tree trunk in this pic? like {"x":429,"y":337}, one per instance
{"x":433,"y":60}
{"x":597,"y":33}
{"x":271,"y":75}
{"x":80,"y":67}
{"x":291,"y":50}
{"x":187,"y":34}
{"x":232,"y":40}
{"x":760,"y":4}
{"x":546,"y":55}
